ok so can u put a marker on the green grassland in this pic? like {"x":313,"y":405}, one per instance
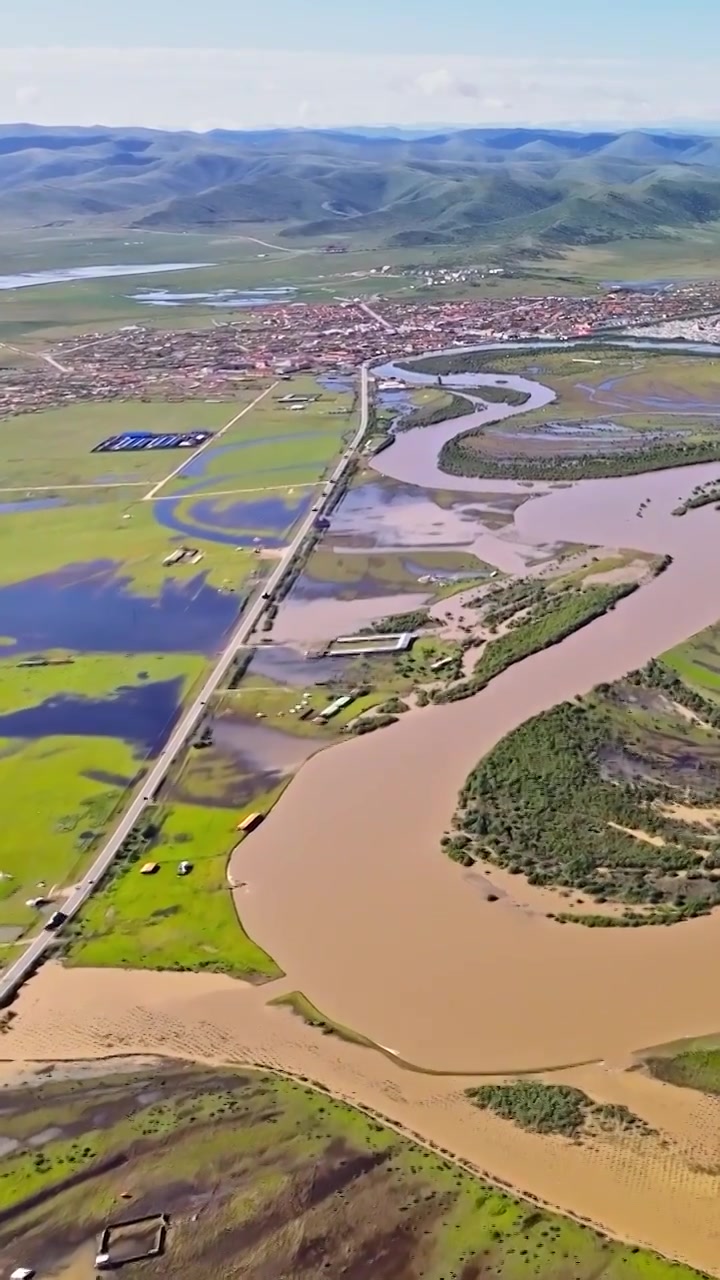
{"x":171,"y":922}
{"x":54,"y":448}
{"x":65,"y":790}
{"x":275,"y":445}
{"x":577,"y":375}
{"x":258,"y":697}
{"x":670,"y":404}
{"x":168,"y":921}
{"x":308,"y":1183}
{"x":49,"y":312}
{"x":688,"y":1064}
{"x":36,"y":542}
{"x":691,"y":255}
{"x":697,"y":662}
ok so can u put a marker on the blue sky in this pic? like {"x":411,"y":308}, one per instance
{"x":601,"y":27}
{"x":243,"y":63}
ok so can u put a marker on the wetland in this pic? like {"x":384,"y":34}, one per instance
{"x":505,"y":987}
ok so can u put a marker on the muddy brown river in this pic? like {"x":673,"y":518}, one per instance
{"x":347,"y":887}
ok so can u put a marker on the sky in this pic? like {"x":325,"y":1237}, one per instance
{"x":317,"y":63}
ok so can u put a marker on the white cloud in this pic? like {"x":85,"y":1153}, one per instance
{"x":234,"y":88}
{"x":442,"y":83}
{"x":26,"y":94}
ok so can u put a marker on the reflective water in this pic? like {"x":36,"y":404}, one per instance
{"x":226,"y":299}
{"x":142,"y":715}
{"x":29,"y":279}
{"x":92,"y":608}
{"x":236,"y":522}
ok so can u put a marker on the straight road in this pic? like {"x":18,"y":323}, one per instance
{"x":16,"y":974}
{"x":212,"y":440}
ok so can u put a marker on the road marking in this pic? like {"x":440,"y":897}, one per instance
{"x":213,"y":440}
{"x":97,"y":484}
{"x":36,"y":355}
{"x":227,"y":493}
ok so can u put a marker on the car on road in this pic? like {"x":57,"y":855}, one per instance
{"x":57,"y":919}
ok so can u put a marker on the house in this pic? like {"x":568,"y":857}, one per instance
{"x":250,"y":823}
{"x":150,"y":868}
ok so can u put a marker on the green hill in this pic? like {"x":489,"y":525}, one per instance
{"x":539,"y":187}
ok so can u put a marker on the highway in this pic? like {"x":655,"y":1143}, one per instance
{"x":15,"y":975}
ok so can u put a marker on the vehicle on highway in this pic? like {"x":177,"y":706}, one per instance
{"x":57,"y":919}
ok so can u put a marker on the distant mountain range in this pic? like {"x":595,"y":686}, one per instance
{"x":542,"y":188}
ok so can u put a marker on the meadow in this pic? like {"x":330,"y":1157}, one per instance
{"x":256,"y":743}
{"x":274,"y":444}
{"x":48,"y":450}
{"x":308,"y":1183}
{"x":84,"y":588}
{"x":73,"y":740}
{"x":687,"y":1064}
{"x":167,"y":921}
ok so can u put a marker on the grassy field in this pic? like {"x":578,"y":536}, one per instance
{"x":692,"y":1064}
{"x":168,"y":921}
{"x":128,"y":536}
{"x":697,"y":661}
{"x":49,"y":312}
{"x":65,"y":786}
{"x":275,"y":445}
{"x":54,"y":448}
{"x":693,"y":255}
{"x":83,"y":585}
{"x":46,"y":313}
{"x":614,"y":414}
{"x":308,"y":1184}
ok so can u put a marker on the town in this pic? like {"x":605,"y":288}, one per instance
{"x":290,"y":337}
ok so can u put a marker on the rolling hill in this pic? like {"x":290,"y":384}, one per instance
{"x":534,"y":187}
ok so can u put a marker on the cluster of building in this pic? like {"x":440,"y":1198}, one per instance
{"x":288,"y":337}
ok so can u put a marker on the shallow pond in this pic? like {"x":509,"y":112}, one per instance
{"x":142,"y":715}
{"x":91,"y":608}
{"x":30,"y":279}
{"x":238,"y":522}
{"x":225,"y":299}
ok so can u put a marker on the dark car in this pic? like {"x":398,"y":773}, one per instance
{"x":56,"y":920}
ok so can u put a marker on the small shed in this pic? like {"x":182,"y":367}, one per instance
{"x":150,"y":869}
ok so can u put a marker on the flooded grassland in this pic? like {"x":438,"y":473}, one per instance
{"x":123,"y":573}
{"x":307,"y":1184}
{"x":459,"y":972}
